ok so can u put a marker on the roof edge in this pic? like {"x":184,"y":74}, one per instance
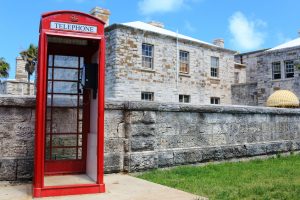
{"x":47,"y":14}
{"x":117,"y":25}
{"x":252,"y":52}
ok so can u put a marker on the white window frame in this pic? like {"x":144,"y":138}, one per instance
{"x":214,"y":66}
{"x":184,"y":59}
{"x":147,"y":55}
{"x":276,"y":71}
{"x":289,"y":68}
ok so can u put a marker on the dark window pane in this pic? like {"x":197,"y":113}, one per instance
{"x":147,"y":96}
{"x":214,"y":100}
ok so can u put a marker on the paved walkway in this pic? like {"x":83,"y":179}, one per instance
{"x":118,"y":187}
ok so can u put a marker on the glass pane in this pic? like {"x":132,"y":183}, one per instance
{"x":63,"y":74}
{"x":64,"y":100}
{"x":49,"y":73}
{"x":79,"y":153}
{"x":64,"y":140}
{"x":66,"y":61}
{"x":80,"y":127}
{"x":63,"y":87}
{"x":50,"y":59}
{"x":64,"y":120}
{"x":63,"y":153}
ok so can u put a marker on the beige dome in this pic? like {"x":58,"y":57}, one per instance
{"x":283,"y":99}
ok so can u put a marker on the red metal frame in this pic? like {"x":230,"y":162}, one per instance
{"x":75,"y":165}
{"x":39,"y":189}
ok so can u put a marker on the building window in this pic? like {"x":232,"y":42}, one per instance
{"x":276,"y":67}
{"x":184,"y":98}
{"x":184,"y":62}
{"x":147,"y":96}
{"x":289,"y":69}
{"x":214,"y":69}
{"x":236,"y":77}
{"x":214,"y":100}
{"x":147,"y":55}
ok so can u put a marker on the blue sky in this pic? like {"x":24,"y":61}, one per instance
{"x":245,"y":25}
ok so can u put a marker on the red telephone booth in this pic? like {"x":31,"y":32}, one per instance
{"x":69,"y":129}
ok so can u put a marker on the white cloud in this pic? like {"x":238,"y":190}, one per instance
{"x":148,"y":7}
{"x":246,"y":34}
{"x":189,"y":27}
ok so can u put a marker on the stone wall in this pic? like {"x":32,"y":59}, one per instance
{"x":16,"y":87}
{"x":250,"y":60}
{"x":126,"y":78}
{"x":16,"y":137}
{"x":141,"y":136}
{"x":244,"y":94}
{"x":19,"y":85}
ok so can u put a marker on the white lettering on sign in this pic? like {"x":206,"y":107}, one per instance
{"x":73,"y":27}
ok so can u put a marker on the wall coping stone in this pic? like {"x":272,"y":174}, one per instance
{"x":17,"y":101}
{"x":29,"y":101}
{"x":243,"y":84}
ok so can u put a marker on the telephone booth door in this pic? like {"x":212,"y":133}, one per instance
{"x":69,"y":139}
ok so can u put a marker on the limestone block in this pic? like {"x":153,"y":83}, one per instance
{"x":141,"y":130}
{"x":113,"y":162}
{"x":256,"y":149}
{"x":212,"y":153}
{"x":143,"y":144}
{"x":165,"y":158}
{"x":187,"y":156}
{"x":8,"y":169}
{"x":234,"y":151}
{"x":114,"y":124}
{"x":24,"y":169}
{"x":143,"y":161}
{"x":276,"y":147}
{"x":114,"y":145}
{"x":14,"y":115}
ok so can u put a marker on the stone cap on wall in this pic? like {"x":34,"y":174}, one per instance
{"x":29,"y":101}
{"x":17,"y":101}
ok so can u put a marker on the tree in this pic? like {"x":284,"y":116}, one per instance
{"x":4,"y":68}
{"x":30,"y":56}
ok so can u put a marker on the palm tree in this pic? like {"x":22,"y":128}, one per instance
{"x":4,"y":68}
{"x":30,"y":56}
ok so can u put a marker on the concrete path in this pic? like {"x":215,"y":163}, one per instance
{"x":118,"y":187}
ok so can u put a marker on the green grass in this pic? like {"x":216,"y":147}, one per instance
{"x":274,"y":178}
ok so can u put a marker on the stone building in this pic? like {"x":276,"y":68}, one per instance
{"x":267,"y":71}
{"x":145,"y":61}
{"x":19,"y":85}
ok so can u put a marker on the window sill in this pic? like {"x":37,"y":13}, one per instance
{"x":283,"y":79}
{"x":183,"y":74}
{"x":214,"y":78}
{"x":147,"y":70}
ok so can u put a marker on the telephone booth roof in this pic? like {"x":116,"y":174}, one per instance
{"x":73,"y":17}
